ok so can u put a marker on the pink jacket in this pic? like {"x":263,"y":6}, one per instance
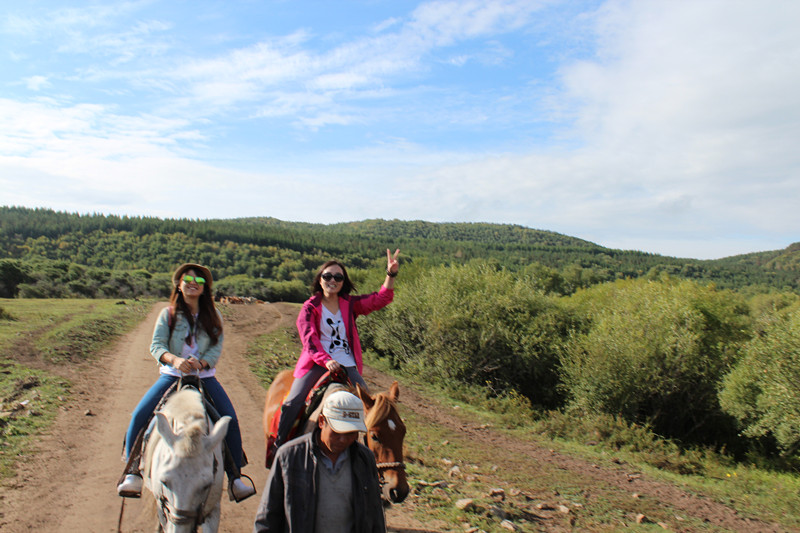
{"x":351,"y":307}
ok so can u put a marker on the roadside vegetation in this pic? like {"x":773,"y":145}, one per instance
{"x":446,"y":468}
{"x":40,"y":333}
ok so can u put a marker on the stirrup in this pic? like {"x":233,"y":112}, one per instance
{"x":231,"y":493}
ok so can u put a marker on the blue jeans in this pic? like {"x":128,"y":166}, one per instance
{"x":141,"y":414}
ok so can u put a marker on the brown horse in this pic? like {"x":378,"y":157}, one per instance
{"x":385,"y":431}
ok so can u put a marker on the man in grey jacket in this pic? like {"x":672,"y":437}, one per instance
{"x":324,"y":481}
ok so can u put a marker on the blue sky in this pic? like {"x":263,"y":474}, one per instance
{"x":667,"y":126}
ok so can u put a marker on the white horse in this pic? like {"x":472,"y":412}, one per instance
{"x":183,"y":464}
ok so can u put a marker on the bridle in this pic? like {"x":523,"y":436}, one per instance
{"x":383,"y":467}
{"x":397,"y":465}
{"x":181,"y":517}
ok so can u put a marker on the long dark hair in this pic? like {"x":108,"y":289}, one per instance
{"x":207,"y":317}
{"x":347,"y":285}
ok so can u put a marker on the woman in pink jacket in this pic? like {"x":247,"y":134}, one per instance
{"x":327,"y":327}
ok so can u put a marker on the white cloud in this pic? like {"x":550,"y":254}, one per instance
{"x":386,"y":24}
{"x":691,"y":100}
{"x":37,"y":83}
{"x":669,"y":122}
{"x":444,"y":22}
{"x":289,"y":66}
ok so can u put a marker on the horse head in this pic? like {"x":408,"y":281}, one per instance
{"x":385,"y":434}
{"x":183,"y":465}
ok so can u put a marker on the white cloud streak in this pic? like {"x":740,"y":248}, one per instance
{"x":675,"y":122}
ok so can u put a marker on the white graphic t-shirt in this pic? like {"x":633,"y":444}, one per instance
{"x":334,"y":338}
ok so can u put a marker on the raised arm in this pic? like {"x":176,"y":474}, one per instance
{"x":392,"y":267}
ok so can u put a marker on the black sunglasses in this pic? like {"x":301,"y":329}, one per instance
{"x":327,"y":276}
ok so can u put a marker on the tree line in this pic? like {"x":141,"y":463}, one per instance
{"x":278,"y":251}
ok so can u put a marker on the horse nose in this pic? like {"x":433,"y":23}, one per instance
{"x":398,"y":495}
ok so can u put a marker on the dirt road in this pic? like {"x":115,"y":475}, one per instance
{"x":70,"y":484}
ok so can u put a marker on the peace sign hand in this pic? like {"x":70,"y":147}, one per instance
{"x":391,"y":262}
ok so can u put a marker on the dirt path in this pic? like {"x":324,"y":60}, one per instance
{"x":70,"y":485}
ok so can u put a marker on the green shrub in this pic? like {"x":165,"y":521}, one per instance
{"x":655,"y":352}
{"x":763,"y":390}
{"x":5,"y":315}
{"x":474,"y":324}
{"x":12,"y":274}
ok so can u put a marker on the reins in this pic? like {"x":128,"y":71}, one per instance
{"x":121,"y":511}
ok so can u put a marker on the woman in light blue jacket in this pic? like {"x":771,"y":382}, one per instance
{"x":187,"y":340}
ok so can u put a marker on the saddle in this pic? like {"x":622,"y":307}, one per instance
{"x":133,"y":462}
{"x":309,"y":413}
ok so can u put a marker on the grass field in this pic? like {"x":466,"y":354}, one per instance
{"x":39,"y":340}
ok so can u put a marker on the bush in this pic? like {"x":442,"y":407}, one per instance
{"x":762,"y":391}
{"x":655,"y":352}
{"x":12,"y":274}
{"x":474,"y":324}
{"x":5,"y":315}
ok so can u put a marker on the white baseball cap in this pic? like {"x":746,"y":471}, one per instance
{"x":344,"y":412}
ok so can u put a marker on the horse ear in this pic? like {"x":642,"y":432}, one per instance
{"x":365,"y":397}
{"x":218,"y":432}
{"x":394,"y":392}
{"x":165,"y":429}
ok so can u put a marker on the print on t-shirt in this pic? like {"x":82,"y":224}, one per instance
{"x":338,"y":341}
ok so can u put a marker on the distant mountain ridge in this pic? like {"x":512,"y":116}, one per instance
{"x":276,"y":249}
{"x":482,"y":232}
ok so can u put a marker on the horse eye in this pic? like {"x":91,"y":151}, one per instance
{"x":374,"y":436}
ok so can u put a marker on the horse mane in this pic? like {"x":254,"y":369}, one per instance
{"x":380,"y":411}
{"x":187,"y":415}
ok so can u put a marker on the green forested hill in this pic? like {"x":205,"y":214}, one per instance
{"x":280,"y":251}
